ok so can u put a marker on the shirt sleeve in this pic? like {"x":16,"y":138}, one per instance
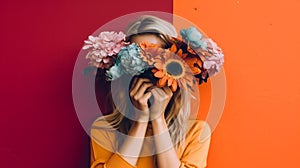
{"x":102,"y":152}
{"x":196,"y":151}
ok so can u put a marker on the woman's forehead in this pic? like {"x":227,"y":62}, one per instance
{"x":150,"y":38}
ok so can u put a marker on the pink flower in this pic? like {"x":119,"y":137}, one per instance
{"x":104,"y":47}
{"x":214,"y":60}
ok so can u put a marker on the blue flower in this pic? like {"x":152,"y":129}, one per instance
{"x":128,"y":61}
{"x":114,"y":72}
{"x":193,"y":37}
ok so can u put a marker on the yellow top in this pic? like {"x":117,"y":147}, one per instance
{"x":193,"y":153}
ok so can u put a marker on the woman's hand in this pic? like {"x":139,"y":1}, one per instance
{"x":162,"y":139}
{"x":139,"y":94}
{"x":161,"y":99}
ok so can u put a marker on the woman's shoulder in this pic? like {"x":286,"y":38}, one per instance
{"x":100,"y":122}
{"x":102,"y":134}
{"x":101,"y":128}
{"x":199,"y":129}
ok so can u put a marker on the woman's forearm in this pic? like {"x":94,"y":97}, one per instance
{"x":167,"y":158}
{"x":132,"y":145}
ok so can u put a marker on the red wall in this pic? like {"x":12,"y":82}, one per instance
{"x":39,"y":42}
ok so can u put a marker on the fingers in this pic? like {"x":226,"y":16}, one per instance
{"x":133,"y":83}
{"x":136,"y":84}
{"x":142,"y":90}
{"x":145,"y":97}
{"x":140,"y":93}
{"x":155,"y":92}
{"x":162,"y":93}
{"x":168,"y":91}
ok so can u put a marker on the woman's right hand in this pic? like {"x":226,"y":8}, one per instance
{"x":139,"y":94}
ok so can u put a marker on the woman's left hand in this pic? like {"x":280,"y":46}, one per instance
{"x":161,"y":99}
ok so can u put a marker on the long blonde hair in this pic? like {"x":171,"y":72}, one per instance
{"x":178,"y":110}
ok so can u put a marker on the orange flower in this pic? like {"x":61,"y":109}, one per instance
{"x":173,"y":69}
{"x":150,"y":52}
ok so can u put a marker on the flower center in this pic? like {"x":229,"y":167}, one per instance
{"x":174,"y":68}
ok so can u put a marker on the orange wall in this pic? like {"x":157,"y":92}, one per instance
{"x":260,"y":38}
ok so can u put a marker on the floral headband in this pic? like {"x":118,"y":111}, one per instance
{"x":192,"y":56}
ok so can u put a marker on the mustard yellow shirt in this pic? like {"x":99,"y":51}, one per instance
{"x":193,"y":153}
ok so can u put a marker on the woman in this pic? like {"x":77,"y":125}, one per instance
{"x":150,"y":125}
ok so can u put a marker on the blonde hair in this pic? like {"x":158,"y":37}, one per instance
{"x":148,"y":24}
{"x":178,"y":109}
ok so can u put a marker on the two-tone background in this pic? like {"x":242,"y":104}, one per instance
{"x":40,"y":40}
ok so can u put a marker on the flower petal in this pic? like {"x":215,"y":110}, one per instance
{"x":191,"y":61}
{"x":179,"y":53}
{"x":199,"y":62}
{"x":159,"y":74}
{"x":106,"y":60}
{"x":170,"y":81}
{"x":86,"y":47}
{"x":173,"y":48}
{"x":195,"y":70}
{"x":162,"y":82}
{"x":158,"y":65}
{"x":183,"y":56}
{"x":174,"y":86}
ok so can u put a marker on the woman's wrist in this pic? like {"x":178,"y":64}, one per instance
{"x":159,"y":124}
{"x":159,"y":120}
{"x":139,"y":124}
{"x":142,"y":116}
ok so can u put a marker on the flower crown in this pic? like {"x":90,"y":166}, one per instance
{"x":192,"y":56}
